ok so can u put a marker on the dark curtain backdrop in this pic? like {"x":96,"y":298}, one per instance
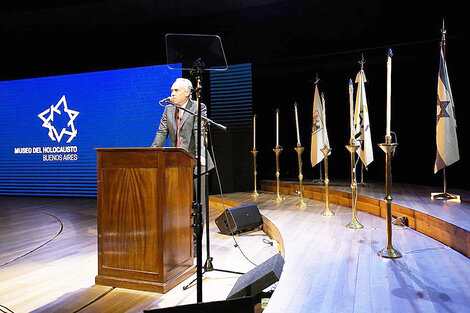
{"x":287,"y":42}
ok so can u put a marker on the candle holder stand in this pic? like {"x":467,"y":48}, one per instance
{"x":278,"y":197}
{"x":301,"y":204}
{"x":255,"y":192}
{"x":352,"y":148}
{"x":388,"y":147}
{"x":327,"y":212}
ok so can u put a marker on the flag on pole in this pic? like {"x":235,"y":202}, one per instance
{"x":317,"y":130}
{"x":361,"y":122}
{"x":446,"y":125}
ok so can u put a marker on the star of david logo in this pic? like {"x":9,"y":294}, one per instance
{"x":69,"y":130}
{"x":443,"y":109}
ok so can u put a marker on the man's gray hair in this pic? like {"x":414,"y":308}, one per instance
{"x":186,"y":83}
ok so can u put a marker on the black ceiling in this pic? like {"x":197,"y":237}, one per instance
{"x":51,"y":37}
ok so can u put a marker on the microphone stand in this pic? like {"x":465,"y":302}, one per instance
{"x":196,"y":71}
{"x":183,"y":50}
{"x":208,"y":267}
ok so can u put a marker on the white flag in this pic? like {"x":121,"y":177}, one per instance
{"x":361,"y":120}
{"x":317,"y":130}
{"x":446,"y":126}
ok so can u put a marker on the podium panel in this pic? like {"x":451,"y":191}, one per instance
{"x":145,"y":239}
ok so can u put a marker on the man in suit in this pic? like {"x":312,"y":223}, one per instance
{"x":181,"y":126}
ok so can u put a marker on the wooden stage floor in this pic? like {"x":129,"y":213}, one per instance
{"x":328,"y":268}
{"x":59,"y":277}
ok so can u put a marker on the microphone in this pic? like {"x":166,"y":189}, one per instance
{"x":166,"y":100}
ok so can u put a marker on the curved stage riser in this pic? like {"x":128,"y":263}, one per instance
{"x":433,"y":222}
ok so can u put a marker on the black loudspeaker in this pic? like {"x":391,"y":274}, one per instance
{"x":259,"y":278}
{"x":239,"y":219}
{"x":240,"y":305}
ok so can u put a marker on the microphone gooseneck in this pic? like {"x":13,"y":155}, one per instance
{"x":166,"y":100}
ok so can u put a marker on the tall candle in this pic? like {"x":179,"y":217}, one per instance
{"x":277,"y":127}
{"x":297,"y":124}
{"x":254,"y":132}
{"x":351,"y":105}
{"x":389,"y":91}
{"x":323,"y":117}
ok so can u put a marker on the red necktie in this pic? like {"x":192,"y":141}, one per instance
{"x":178,"y":124}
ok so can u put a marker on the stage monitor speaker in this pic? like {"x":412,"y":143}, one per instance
{"x":239,"y":305}
{"x":239,"y":219}
{"x":259,"y":278}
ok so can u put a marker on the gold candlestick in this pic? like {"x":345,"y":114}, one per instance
{"x":255,"y":193}
{"x":278,"y":150}
{"x":352,"y":148}
{"x":327,"y":211}
{"x":301,"y":204}
{"x":388,"y":147}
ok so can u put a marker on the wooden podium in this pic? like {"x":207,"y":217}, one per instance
{"x":145,"y":238}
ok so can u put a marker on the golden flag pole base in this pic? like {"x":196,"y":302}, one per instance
{"x":327,"y":212}
{"x":352,"y":148}
{"x":301,"y":203}
{"x":450,"y":197}
{"x":278,"y":198}
{"x":255,"y":192}
{"x":445,"y":196}
{"x":389,"y":251}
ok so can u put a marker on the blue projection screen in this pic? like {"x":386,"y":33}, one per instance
{"x":50,"y":126}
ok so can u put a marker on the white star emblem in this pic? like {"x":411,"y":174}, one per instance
{"x":53,"y":133}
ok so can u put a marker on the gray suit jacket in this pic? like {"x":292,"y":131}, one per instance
{"x":188,"y":130}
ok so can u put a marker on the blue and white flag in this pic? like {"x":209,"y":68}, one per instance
{"x":446,"y":125}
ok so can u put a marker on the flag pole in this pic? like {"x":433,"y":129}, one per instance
{"x":443,"y":31}
{"x":362,"y":184}
{"x":445,"y":179}
{"x":362,"y":145}
{"x":352,"y":148}
{"x":444,"y":195}
{"x":319,"y":181}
